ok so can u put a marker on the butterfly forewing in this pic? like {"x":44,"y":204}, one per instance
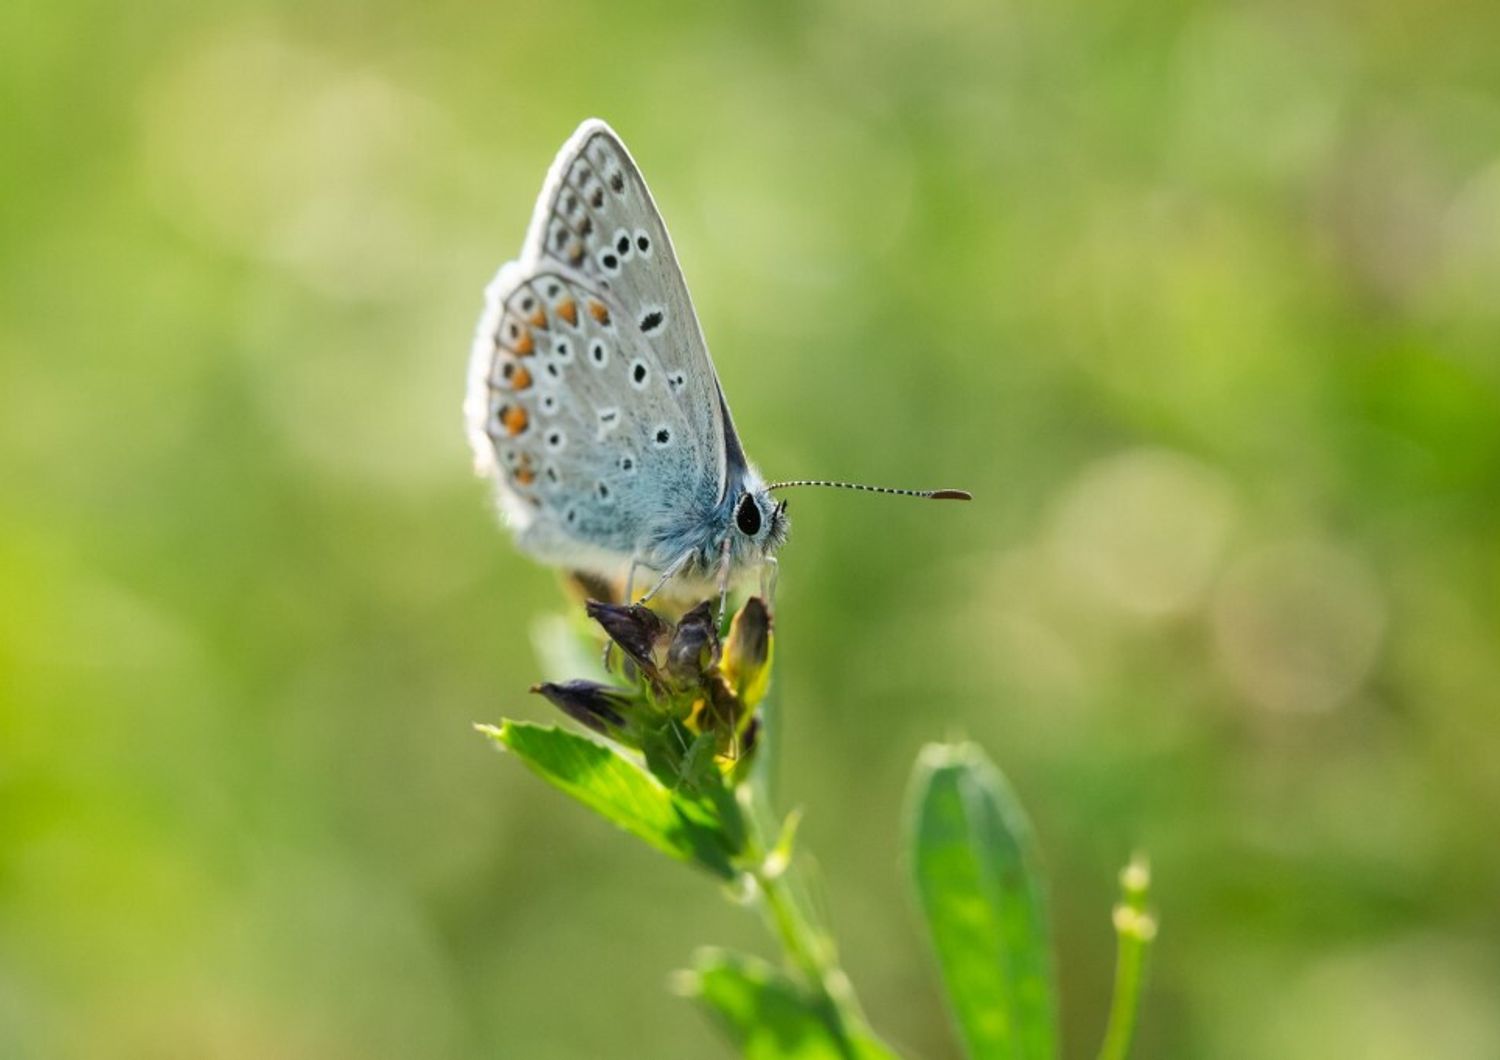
{"x":598,"y":219}
{"x":592,"y":397}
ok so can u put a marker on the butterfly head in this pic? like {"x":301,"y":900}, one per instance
{"x":760,"y":521}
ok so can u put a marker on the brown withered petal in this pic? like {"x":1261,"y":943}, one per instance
{"x":749,"y":636}
{"x":588,"y":703}
{"x":695,"y":646}
{"x":635,"y":628}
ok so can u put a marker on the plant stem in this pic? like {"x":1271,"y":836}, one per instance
{"x":807,"y":945}
{"x":1135,"y":929}
{"x":1122,"y":1007}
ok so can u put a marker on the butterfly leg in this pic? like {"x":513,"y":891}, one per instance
{"x":673,"y":569}
{"x":723,"y":580}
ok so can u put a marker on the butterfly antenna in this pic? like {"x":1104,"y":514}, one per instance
{"x":931,"y":495}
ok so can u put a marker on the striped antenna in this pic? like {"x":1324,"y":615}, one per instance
{"x":932,"y":495}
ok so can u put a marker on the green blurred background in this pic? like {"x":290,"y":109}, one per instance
{"x":1201,"y":301}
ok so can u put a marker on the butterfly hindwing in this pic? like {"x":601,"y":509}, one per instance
{"x":591,"y":453}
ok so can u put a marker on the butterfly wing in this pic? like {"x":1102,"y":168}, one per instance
{"x":592,"y":399}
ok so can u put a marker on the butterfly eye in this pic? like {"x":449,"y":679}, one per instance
{"x":747,"y":517}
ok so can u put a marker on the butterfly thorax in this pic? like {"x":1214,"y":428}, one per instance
{"x":744,"y":529}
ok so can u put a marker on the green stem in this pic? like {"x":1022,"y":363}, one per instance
{"x":781,"y":894}
{"x":808,"y":946}
{"x":1135,"y":929}
{"x":796,"y":935}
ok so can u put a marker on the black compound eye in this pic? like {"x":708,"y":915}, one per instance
{"x":747,"y":517}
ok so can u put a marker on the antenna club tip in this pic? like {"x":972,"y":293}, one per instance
{"x":952,"y":495}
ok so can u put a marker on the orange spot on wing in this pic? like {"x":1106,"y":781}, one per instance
{"x":568,"y":310}
{"x":520,"y":379}
{"x":524,"y":346}
{"x":538,"y":319}
{"x":514,"y":419}
{"x":524,"y":472}
{"x":599,"y":311}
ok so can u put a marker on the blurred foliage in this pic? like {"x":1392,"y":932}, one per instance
{"x":1199,"y":300}
{"x":765,"y":1014}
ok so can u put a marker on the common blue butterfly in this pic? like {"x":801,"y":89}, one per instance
{"x":592,"y":402}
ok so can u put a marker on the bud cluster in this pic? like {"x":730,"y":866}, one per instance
{"x":687,"y":699}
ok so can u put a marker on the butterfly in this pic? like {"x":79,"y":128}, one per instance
{"x":592,"y":402}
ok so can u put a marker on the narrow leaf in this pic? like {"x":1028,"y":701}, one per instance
{"x":616,"y":788}
{"x":975,"y":868}
{"x":768,"y":1016}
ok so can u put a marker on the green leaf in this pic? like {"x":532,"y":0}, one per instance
{"x":975,"y":868}
{"x":613,"y":786}
{"x":684,"y":764}
{"x":768,"y":1016}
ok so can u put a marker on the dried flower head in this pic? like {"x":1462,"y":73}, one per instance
{"x":686,"y":700}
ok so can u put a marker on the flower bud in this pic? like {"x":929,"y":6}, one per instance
{"x":592,"y":705}
{"x":747,"y":653}
{"x":639,"y":632}
{"x":695,"y":647}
